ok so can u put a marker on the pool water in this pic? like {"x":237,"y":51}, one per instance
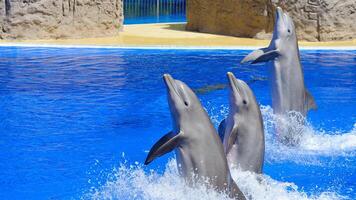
{"x":77,"y":123}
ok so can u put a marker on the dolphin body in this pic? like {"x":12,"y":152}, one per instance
{"x":199,"y":150}
{"x":287,"y":80}
{"x":242,"y":131}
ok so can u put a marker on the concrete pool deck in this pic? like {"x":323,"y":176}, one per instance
{"x":169,"y":35}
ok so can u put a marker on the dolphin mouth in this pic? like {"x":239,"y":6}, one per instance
{"x":171,"y":85}
{"x":233,"y":83}
{"x":281,"y":16}
{"x":279,"y":12}
{"x":169,"y":81}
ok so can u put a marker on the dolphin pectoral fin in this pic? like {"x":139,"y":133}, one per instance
{"x":309,"y":101}
{"x":235,"y":191}
{"x":221,"y":129}
{"x":232,"y":139}
{"x":261,"y":55}
{"x":270,"y":55}
{"x":254,"y":55}
{"x":164,"y":145}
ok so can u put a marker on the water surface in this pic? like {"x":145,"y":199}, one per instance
{"x":77,"y":123}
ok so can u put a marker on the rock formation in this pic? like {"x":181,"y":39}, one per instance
{"x":42,"y":19}
{"x":244,"y":18}
{"x":315,"y":20}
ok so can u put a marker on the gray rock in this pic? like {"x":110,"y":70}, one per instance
{"x":48,"y":19}
{"x":315,"y":20}
{"x":244,"y":18}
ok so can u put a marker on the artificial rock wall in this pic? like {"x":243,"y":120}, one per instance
{"x":44,"y":19}
{"x":315,"y":20}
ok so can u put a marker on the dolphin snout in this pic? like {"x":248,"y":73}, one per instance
{"x":232,"y":80}
{"x":167,"y":78}
{"x":171,"y":85}
{"x":229,"y":74}
{"x":235,"y":85}
{"x":169,"y":81}
{"x":279,"y":13}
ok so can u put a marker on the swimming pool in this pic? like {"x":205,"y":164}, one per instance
{"x":77,"y":123}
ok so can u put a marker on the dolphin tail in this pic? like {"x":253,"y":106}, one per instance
{"x":261,"y":55}
{"x":309,"y":101}
{"x":221,"y":129}
{"x":164,"y":145}
{"x":235,"y":191}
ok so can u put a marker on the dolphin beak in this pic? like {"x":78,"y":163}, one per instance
{"x":169,"y":81}
{"x":171,"y":86}
{"x":279,"y":13}
{"x":233,"y":83}
{"x":230,"y":77}
{"x":280,"y":16}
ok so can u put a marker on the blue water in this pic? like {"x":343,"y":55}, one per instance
{"x":70,"y":117}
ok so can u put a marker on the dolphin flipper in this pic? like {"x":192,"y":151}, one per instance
{"x":232,"y":139}
{"x":254,"y":55}
{"x":261,"y":55}
{"x":309,"y":101}
{"x":164,"y":145}
{"x":221,"y":129}
{"x":267,"y":56}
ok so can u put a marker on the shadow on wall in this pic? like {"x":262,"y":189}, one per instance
{"x":176,"y":27}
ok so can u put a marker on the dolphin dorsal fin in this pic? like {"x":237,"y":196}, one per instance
{"x":309,"y":101}
{"x":164,"y":145}
{"x":221,"y":129}
{"x":261,"y":55}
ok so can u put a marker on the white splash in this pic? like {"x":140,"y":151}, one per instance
{"x":312,"y":142}
{"x":263,"y":187}
{"x":134,"y":183}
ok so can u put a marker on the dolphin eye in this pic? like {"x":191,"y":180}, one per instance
{"x":185,"y":103}
{"x":244,"y":102}
{"x":288,"y":30}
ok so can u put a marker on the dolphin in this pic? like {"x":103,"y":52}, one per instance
{"x":199,"y":150}
{"x":242,"y":131}
{"x":287,"y":80}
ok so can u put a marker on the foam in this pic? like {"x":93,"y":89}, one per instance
{"x":313,"y":143}
{"x":132,"y":182}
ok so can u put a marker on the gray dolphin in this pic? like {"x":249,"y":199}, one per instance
{"x":287,"y":80}
{"x":200,"y":153}
{"x":242,"y":131}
